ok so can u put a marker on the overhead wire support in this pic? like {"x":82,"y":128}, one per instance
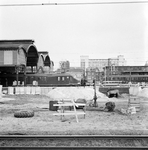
{"x":85,"y":3}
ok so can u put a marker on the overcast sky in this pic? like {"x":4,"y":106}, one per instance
{"x":69,"y":31}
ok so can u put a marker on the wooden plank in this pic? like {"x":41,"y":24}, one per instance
{"x":66,"y":104}
{"x":69,"y":104}
{"x":72,"y":113}
{"x":134,"y":104}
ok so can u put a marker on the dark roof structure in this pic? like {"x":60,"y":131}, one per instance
{"x":43,"y":52}
{"x":47,"y":61}
{"x":27,"y":45}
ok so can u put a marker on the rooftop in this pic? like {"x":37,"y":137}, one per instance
{"x":17,"y":41}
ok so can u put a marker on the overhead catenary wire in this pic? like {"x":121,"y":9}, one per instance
{"x":80,"y":3}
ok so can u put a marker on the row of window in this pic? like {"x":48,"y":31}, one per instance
{"x":136,"y":68}
{"x":59,"y":78}
{"x":132,"y":78}
{"x":62,"y":78}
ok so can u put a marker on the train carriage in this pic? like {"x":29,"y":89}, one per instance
{"x":61,"y":79}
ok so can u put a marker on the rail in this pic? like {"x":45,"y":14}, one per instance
{"x":73,"y":142}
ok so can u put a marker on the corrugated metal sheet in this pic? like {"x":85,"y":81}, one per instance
{"x":1,"y":58}
{"x":12,"y":57}
{"x":8,"y":57}
{"x":15,"y":57}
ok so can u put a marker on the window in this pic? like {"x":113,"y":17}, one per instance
{"x":58,"y":78}
{"x":63,"y":78}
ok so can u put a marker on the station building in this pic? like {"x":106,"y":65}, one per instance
{"x":21,"y":57}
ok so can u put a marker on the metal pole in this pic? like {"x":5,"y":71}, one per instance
{"x":105,"y":73}
{"x":24,"y":75}
{"x":130,"y":76}
{"x":95,"y":96}
{"x":111,"y":72}
{"x":16,"y":75}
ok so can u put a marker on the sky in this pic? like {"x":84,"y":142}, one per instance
{"x":67,"y":32}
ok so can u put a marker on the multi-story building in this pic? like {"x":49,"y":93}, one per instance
{"x":92,"y":73}
{"x":64,"y":65}
{"x":146,"y":63}
{"x":84,"y":62}
{"x":76,"y":72}
{"x":93,"y":66}
{"x":101,"y":63}
{"x":98,"y":63}
{"x":126,"y":73}
{"x":121,"y":60}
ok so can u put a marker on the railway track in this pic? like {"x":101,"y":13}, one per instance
{"x":73,"y":142}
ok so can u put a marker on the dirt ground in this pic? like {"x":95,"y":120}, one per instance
{"x":96,"y":121}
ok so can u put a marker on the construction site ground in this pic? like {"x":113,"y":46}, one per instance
{"x":97,"y":121}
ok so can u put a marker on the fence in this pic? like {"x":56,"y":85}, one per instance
{"x":28,"y":90}
{"x":44,"y":90}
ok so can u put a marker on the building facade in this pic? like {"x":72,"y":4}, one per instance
{"x":101,"y":63}
{"x":76,"y":72}
{"x":64,"y":65}
{"x":126,"y":73}
{"x":94,"y":68}
{"x":84,"y":62}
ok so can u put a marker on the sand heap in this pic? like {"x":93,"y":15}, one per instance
{"x":143,"y":92}
{"x":74,"y":93}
